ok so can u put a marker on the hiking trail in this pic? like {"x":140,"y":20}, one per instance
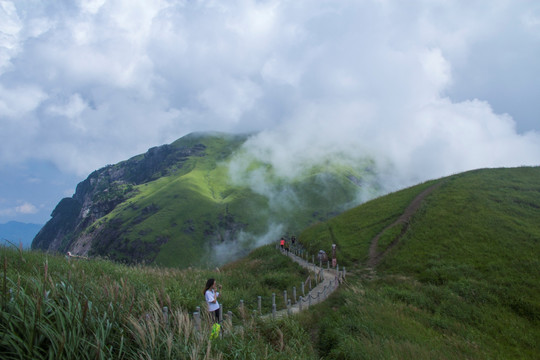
{"x":375,"y":257}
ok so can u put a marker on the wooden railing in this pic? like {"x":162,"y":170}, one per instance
{"x":314,"y":295}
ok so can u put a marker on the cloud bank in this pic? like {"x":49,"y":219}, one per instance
{"x":412,"y":85}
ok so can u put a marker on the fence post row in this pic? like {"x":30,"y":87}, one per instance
{"x":287,"y":301}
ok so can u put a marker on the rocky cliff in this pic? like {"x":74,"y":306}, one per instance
{"x":102,"y":191}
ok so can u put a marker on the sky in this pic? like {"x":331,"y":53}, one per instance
{"x":425,"y":88}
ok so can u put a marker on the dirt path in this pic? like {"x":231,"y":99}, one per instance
{"x":374,"y":256}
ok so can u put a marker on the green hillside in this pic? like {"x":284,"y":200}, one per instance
{"x":57,"y":308}
{"x":457,"y":278}
{"x":177,"y":205}
{"x":463,"y":281}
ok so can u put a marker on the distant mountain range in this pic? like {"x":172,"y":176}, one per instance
{"x":182,"y":204}
{"x":18,"y":232}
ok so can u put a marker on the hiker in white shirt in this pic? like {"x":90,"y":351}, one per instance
{"x":211,"y":296}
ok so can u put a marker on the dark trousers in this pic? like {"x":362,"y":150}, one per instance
{"x":215,"y":318}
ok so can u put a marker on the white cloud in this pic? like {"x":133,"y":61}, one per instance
{"x":72,"y":109}
{"x":18,"y":102}
{"x":531,"y":20}
{"x":10,"y":26}
{"x":91,"y":6}
{"x":92,"y":82}
{"x":26,"y":208}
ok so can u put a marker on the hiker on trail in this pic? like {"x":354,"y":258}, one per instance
{"x":211,"y":296}
{"x":287,"y":247}
{"x":293,"y":240}
{"x":282,"y":243}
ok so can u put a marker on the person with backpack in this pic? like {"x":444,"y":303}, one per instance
{"x":282,"y":243}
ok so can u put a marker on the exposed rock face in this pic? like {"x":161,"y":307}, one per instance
{"x":176,"y":205}
{"x":101,"y":192}
{"x":64,"y":218}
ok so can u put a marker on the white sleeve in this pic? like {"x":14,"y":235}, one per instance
{"x":209,"y":296}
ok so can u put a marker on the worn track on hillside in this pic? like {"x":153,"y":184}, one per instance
{"x":374,"y":256}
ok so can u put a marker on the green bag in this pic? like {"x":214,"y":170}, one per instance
{"x":215,"y":331}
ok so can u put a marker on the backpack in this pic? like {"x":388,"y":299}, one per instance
{"x":214,"y":334}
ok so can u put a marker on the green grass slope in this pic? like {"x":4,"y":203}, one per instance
{"x":57,"y":308}
{"x":463,"y":281}
{"x":182,"y":217}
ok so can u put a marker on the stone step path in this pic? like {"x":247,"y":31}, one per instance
{"x":331,"y":278}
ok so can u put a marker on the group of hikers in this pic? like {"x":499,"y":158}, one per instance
{"x":286,"y":245}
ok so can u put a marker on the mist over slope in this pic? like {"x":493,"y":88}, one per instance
{"x":203,"y":200}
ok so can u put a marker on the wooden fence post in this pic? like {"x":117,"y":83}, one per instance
{"x":197,"y":318}
{"x":229,"y":319}
{"x":300,"y":303}
{"x":285,"y":297}
{"x":274,"y":305}
{"x":259,"y":304}
{"x":289,"y":307}
{"x":165,"y":315}
{"x":303,"y":290}
{"x":294,"y":293}
{"x":242,"y":310}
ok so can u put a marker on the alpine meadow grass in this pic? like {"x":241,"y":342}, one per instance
{"x":460,"y":281}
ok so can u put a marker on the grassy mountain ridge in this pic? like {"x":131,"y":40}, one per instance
{"x":462,"y":281}
{"x":180,"y":205}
